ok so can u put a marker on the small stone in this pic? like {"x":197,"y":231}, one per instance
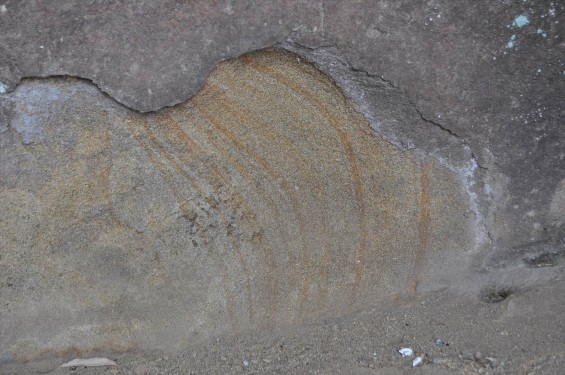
{"x":417,"y":361}
{"x":440,"y":342}
{"x":89,"y":362}
{"x":245,"y":363}
{"x":406,"y":352}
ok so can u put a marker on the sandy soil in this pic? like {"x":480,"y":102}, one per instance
{"x":499,"y":331}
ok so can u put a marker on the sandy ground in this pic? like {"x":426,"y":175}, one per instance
{"x":522,"y":333}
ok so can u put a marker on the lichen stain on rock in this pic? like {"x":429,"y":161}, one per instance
{"x":264,"y":200}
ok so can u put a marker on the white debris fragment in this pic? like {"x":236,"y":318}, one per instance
{"x":89,"y":362}
{"x":3,"y":88}
{"x":406,"y":352}
{"x":417,"y":361}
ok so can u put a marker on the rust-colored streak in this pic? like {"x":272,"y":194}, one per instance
{"x":360,"y":259}
{"x":154,"y":143}
{"x":181,"y":135}
{"x":175,"y":134}
{"x":267,"y":250}
{"x":423,"y":226}
{"x":180,"y":201}
{"x":159,"y":167}
{"x":211,"y":119}
{"x":215,"y":123}
{"x":152,"y":157}
{"x":350,"y":153}
{"x":181,"y":170}
{"x":276,"y":138}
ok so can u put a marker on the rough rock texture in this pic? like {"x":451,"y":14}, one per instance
{"x":468,"y":68}
{"x":433,"y":156}
{"x":264,"y":200}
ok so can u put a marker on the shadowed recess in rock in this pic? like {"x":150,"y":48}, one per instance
{"x":265,"y":200}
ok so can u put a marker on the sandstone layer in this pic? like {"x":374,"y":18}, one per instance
{"x":468,"y":70}
{"x":263,"y":201}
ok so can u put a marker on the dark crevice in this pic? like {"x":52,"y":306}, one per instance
{"x":381,"y":78}
{"x":432,"y":122}
{"x":478,"y":164}
{"x":72,"y":76}
{"x":424,"y":118}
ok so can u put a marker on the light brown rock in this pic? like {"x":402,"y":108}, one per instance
{"x":263,"y":201}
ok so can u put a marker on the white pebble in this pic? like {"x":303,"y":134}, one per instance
{"x":89,"y":362}
{"x":406,"y":352}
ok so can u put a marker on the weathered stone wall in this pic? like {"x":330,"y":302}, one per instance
{"x":468,"y":68}
{"x":264,"y":200}
{"x":434,"y":148}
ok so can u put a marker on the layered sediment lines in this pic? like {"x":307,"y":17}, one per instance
{"x":264,"y":200}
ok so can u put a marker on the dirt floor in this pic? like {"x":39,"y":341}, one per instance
{"x":503,"y":330}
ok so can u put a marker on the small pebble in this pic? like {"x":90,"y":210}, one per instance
{"x":245,"y":363}
{"x":440,"y":342}
{"x":417,"y":361}
{"x":406,"y":352}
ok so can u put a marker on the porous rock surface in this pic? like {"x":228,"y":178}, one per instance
{"x":467,"y":68}
{"x":399,"y":148}
{"x":264,"y":200}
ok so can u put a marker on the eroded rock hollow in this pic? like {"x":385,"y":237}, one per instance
{"x":264,"y":200}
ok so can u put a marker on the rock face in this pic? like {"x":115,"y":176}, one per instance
{"x":489,"y":74}
{"x":403,"y":146}
{"x":265,"y":200}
